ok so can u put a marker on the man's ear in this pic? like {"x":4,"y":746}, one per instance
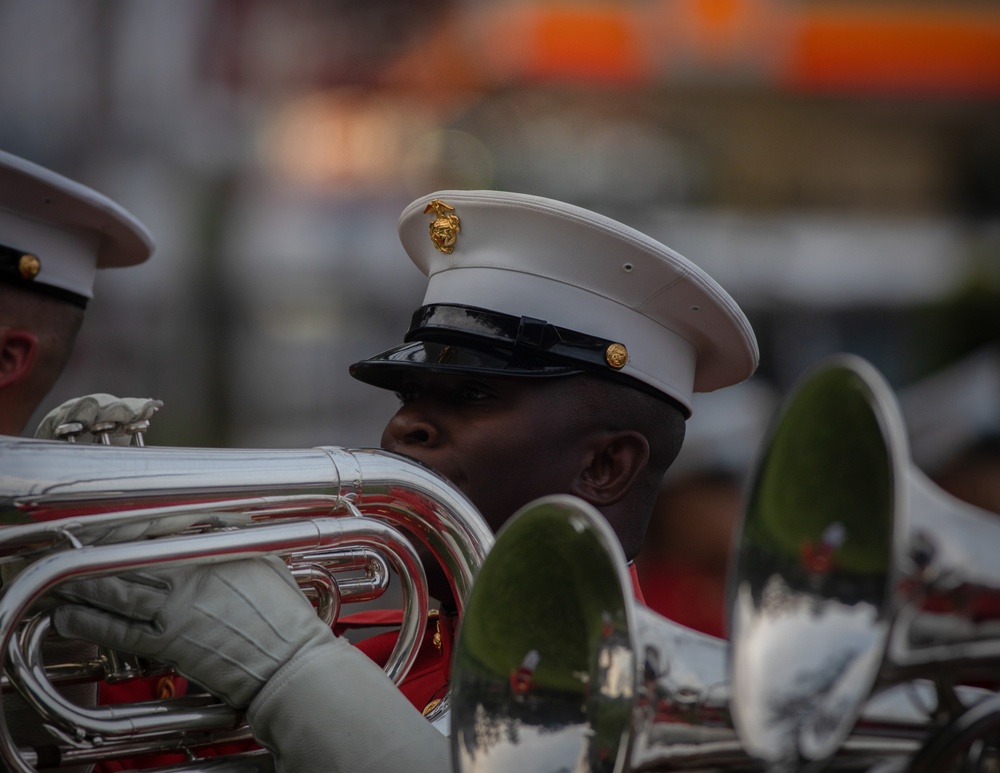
{"x":18,"y":349}
{"x":617,"y":460}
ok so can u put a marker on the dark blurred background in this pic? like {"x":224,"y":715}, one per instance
{"x":835,"y":165}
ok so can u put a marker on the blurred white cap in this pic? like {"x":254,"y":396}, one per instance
{"x":55,"y":233}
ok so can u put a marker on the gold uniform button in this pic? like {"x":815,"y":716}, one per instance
{"x":165,"y":688}
{"x":431,"y":706}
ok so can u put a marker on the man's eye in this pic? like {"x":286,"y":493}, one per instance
{"x":473,"y":393}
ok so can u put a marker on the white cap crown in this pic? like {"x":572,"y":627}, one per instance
{"x":55,"y":233}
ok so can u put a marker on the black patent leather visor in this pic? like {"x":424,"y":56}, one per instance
{"x":390,"y":369}
{"x":451,"y":338}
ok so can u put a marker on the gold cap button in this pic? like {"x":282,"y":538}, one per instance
{"x":29,"y":265}
{"x":616,"y":355}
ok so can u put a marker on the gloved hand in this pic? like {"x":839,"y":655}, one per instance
{"x":91,"y":410}
{"x":244,"y":631}
{"x":227,"y":626}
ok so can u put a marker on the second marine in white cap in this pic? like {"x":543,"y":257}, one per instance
{"x":54,"y":235}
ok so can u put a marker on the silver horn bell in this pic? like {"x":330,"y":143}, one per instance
{"x":557,"y":668}
{"x":855,"y":572}
{"x":862,"y":602}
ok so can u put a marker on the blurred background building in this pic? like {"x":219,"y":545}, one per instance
{"x":834,"y":164}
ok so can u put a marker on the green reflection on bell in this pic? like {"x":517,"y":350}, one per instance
{"x":543,"y":673}
{"x":822,"y":503}
{"x":815,"y":563}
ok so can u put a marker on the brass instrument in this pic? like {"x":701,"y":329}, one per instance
{"x":580,"y":677}
{"x":73,"y":511}
{"x":864,"y":620}
{"x":854,"y":572}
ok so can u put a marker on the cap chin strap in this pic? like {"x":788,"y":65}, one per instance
{"x":529,"y":338}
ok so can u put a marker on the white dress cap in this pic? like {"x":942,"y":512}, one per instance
{"x":55,"y":233}
{"x":660,"y":320}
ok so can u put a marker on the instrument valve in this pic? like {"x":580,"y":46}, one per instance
{"x":69,"y":431}
{"x":102,"y":431}
{"x":136,"y":431}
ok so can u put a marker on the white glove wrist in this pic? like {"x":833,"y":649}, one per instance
{"x":332,"y":709}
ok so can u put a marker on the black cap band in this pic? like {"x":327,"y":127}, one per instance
{"x":12,"y":272}
{"x":530,"y":340}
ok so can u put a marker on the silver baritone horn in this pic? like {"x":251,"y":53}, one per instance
{"x":862,"y":600}
{"x":557,"y":668}
{"x":68,"y":512}
{"x":854,"y":573}
{"x":551,"y":672}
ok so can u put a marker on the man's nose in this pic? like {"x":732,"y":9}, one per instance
{"x":410,"y":426}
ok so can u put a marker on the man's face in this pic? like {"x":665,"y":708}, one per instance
{"x":502,"y":441}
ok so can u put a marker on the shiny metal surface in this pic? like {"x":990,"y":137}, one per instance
{"x":853,"y":573}
{"x":245,"y":762}
{"x":557,"y":669}
{"x":71,"y":511}
{"x":84,"y":492}
{"x":544,"y":671}
{"x":102,"y":724}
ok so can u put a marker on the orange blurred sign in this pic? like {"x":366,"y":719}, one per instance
{"x":930,"y":50}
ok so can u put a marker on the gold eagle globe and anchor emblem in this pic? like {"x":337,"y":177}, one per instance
{"x":445,"y":226}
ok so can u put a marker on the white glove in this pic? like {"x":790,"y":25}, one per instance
{"x":227,"y":626}
{"x":99,"y":408}
{"x":243,"y":629}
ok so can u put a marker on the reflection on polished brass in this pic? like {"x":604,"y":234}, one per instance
{"x":445,"y":226}
{"x":616,"y":356}
{"x":852,"y":573}
{"x":580,"y":677}
{"x":850,"y":592}
{"x":540,"y":676}
{"x":29,"y":265}
{"x":813,"y":564}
